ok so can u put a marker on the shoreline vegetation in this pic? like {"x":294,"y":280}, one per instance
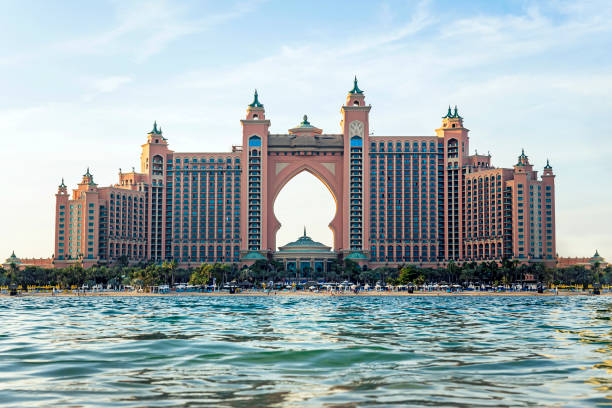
{"x":301,"y":293}
{"x":266,"y":277}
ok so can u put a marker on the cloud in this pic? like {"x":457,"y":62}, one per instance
{"x":110,"y":84}
{"x":140,"y":29}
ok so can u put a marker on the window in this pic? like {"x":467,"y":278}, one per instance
{"x":356,"y":141}
{"x":254,"y":141}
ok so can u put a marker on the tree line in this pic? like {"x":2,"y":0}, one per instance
{"x":168,"y":273}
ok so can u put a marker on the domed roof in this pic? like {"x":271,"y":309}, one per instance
{"x":13,"y":259}
{"x":305,"y":244}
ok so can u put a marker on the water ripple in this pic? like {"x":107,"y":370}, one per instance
{"x":302,"y":352}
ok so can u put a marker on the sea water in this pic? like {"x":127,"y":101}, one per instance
{"x":230,"y":351}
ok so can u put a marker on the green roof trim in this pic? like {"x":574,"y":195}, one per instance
{"x":256,"y":103}
{"x":155,"y":130}
{"x":305,"y":244}
{"x":449,"y":114}
{"x":254,"y":255}
{"x":523,"y":160}
{"x":13,"y":259}
{"x":452,"y":115}
{"x":305,"y":123}
{"x":356,"y":255}
{"x":548,"y":166}
{"x":456,"y":114}
{"x":355,"y":89}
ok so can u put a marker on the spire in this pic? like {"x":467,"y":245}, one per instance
{"x":548,"y":166}
{"x":523,"y":159}
{"x":256,"y":103}
{"x":594,"y":256}
{"x":456,"y":114}
{"x":304,"y":230}
{"x":13,"y":254}
{"x":155,"y":131}
{"x":355,"y":89}
{"x":448,"y":114}
{"x":62,"y":185}
{"x":87,"y":173}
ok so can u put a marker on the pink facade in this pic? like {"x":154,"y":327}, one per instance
{"x":401,"y":199}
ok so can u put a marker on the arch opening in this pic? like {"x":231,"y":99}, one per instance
{"x":305,"y":201}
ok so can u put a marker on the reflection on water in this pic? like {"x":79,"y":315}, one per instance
{"x":291,"y":351}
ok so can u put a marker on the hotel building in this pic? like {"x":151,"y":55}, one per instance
{"x":399,"y":199}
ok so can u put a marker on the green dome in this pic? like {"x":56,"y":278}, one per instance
{"x":305,"y":244}
{"x":13,"y":259}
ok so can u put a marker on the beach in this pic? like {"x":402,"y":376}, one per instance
{"x":288,"y":293}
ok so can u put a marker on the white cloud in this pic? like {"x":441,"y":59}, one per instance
{"x":110,"y":84}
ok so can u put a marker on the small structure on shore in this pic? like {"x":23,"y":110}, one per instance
{"x":25,"y":262}
{"x":305,"y":254}
{"x":586,"y":261}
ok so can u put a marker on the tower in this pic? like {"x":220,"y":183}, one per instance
{"x":153,"y":164}
{"x":456,"y":149}
{"x":253,"y":198}
{"x":355,"y":128}
{"x":61,"y":211}
{"x":549,"y":233}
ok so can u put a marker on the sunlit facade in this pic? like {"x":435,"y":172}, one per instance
{"x":399,"y":199}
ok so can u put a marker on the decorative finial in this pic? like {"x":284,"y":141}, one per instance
{"x":62,"y":185}
{"x":305,"y":122}
{"x":13,"y":254}
{"x":133,"y":169}
{"x":120,"y":170}
{"x":596,"y":254}
{"x":355,"y":89}
{"x":548,"y":166}
{"x":155,"y":131}
{"x":304,"y":230}
{"x":456,"y":114}
{"x":448,"y":114}
{"x":476,"y":151}
{"x":256,"y":103}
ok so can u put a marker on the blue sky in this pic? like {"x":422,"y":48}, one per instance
{"x":83,"y":81}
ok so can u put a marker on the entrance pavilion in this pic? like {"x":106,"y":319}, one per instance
{"x":305,"y":255}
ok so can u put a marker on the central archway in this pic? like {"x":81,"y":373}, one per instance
{"x":326,"y":169}
{"x":304,"y":202}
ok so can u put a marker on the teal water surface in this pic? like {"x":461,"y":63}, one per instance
{"x":190,"y":351}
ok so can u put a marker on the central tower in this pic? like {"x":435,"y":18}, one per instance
{"x":269,"y":161}
{"x":355,"y":128}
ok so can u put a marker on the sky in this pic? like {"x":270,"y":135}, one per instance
{"x":82,"y":82}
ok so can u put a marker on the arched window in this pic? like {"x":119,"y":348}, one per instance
{"x":356,"y":141}
{"x":254,"y":141}
{"x":356,"y":103}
